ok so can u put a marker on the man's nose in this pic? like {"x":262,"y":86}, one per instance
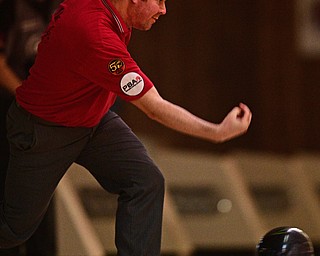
{"x":163,"y":9}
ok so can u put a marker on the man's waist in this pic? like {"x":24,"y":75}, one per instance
{"x":35,"y":118}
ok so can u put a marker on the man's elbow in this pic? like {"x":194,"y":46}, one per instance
{"x":152,"y":114}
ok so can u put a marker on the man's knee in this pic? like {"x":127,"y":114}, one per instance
{"x":6,"y":244}
{"x":8,"y":239}
{"x":154,"y":181}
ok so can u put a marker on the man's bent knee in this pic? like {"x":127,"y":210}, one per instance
{"x":8,"y":238}
{"x":155,"y":180}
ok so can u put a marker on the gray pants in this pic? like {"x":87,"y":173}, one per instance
{"x":41,"y":152}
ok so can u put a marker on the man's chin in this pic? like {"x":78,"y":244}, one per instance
{"x":144,"y":27}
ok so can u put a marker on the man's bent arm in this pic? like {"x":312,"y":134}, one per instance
{"x":179,"y":119}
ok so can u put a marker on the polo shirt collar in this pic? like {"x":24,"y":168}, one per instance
{"x":118,"y":19}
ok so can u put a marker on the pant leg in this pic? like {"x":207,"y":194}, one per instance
{"x":42,"y":242}
{"x":39,"y":156}
{"x":120,"y":163}
{"x":5,"y":101}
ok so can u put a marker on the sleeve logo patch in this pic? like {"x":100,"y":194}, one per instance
{"x":116,"y":67}
{"x":132,"y":84}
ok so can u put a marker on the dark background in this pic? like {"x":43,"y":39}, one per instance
{"x":209,"y":55}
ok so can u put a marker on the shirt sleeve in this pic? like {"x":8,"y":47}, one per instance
{"x":108,"y":63}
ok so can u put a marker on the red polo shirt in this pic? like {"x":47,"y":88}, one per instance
{"x":82,"y":65}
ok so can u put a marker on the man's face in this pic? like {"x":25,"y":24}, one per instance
{"x":144,"y":13}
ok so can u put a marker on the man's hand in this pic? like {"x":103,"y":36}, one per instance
{"x":235,"y":123}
